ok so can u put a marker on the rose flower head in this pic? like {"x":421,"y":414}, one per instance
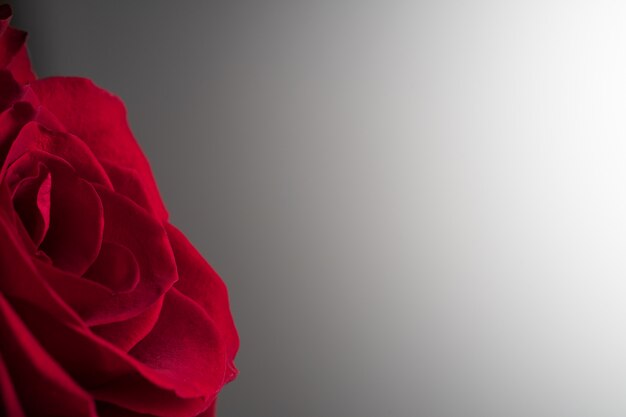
{"x":106,"y":309}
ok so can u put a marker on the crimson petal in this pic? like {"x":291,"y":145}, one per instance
{"x":13,"y":54}
{"x":128,"y":225}
{"x":35,"y":374}
{"x":76,"y":223}
{"x":101,"y":125}
{"x":31,"y":199}
{"x":35,"y":137}
{"x":199,"y":281}
{"x":9,"y":402}
{"x":11,"y":121}
{"x":115,"y":268}
{"x":126,"y":334}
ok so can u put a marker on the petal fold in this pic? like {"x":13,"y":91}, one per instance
{"x":102,"y":125}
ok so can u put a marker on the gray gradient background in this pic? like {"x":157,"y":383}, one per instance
{"x":419,"y":207}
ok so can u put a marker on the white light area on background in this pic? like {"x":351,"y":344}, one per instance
{"x":469,"y":200}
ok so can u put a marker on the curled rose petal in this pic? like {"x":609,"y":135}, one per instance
{"x":130,"y":226}
{"x":186,"y":342}
{"x":35,"y":137}
{"x":199,"y":281}
{"x":31,"y":199}
{"x":75,"y":233}
{"x":16,"y":261}
{"x":11,"y":122}
{"x":76,"y":226}
{"x":13,"y":54}
{"x":102,"y":126}
{"x":127,"y":333}
{"x":127,"y":181}
{"x":183,"y":346}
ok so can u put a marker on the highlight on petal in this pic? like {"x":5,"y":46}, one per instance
{"x":186,"y":342}
{"x":199,"y":281}
{"x":127,"y":333}
{"x":9,"y":401}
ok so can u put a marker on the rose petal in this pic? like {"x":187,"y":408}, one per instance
{"x":105,"y":370}
{"x":43,"y":206}
{"x":35,"y":137}
{"x":31,"y":199}
{"x":35,"y":374}
{"x":126,"y":334}
{"x":184,"y":341}
{"x":101,"y":125}
{"x":11,"y":122}
{"x":11,"y":41}
{"x":10,"y":90}
{"x":6,"y":13}
{"x":21,"y":68}
{"x":9,"y":402}
{"x":76,"y":223}
{"x":211,"y":411}
{"x":16,"y":260}
{"x":184,"y":345}
{"x":109,"y":374}
{"x":199,"y":281}
{"x":132,"y":227}
{"x":87,"y":358}
{"x":126,"y":181}
{"x":110,"y":410}
{"x":115,"y":268}
{"x":13,"y":53}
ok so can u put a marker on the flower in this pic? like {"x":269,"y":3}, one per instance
{"x":106,"y":309}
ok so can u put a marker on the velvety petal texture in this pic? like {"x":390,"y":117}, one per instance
{"x":106,"y":309}
{"x":13,"y":54}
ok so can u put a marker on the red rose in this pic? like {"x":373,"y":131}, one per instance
{"x":105,"y":308}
